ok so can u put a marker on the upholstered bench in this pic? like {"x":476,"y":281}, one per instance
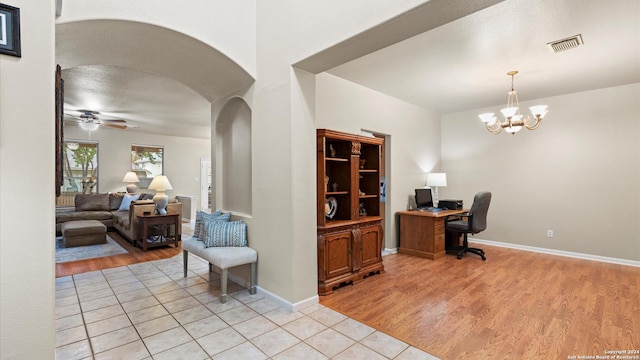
{"x":83,"y":232}
{"x":223,"y":258}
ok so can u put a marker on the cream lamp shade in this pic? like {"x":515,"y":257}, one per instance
{"x":434,"y":180}
{"x":160,"y":183}
{"x":130,"y":178}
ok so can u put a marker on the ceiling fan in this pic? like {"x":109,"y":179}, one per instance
{"x":89,"y":120}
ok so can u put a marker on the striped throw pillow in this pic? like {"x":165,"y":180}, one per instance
{"x":200,"y":217}
{"x":220,"y":234}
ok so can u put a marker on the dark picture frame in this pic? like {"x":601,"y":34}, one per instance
{"x":10,"y":30}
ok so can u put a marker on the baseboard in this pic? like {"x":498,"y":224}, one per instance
{"x":293,"y":307}
{"x":558,"y":252}
{"x":387,"y":251}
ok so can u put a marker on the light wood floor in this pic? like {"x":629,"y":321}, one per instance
{"x":135,"y":255}
{"x":515,"y":305}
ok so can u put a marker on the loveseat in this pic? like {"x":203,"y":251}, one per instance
{"x":105,"y":208}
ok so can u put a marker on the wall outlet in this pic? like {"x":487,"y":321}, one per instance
{"x":549,"y":233}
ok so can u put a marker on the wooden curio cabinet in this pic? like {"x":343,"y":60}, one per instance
{"x":350,"y":234}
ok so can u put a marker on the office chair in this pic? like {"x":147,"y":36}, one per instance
{"x":471,"y":222}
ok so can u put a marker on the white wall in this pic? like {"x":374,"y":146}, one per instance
{"x":27,"y":191}
{"x":578,"y":174}
{"x":181,"y":158}
{"x":414,"y":135}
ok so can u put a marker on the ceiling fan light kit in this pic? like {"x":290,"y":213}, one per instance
{"x":90,"y":121}
{"x":514,"y":121}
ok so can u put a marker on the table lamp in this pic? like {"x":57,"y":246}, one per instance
{"x":160,"y":183}
{"x":433,"y":181}
{"x":131,"y":178}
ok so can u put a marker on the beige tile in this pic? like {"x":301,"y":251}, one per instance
{"x":237,"y":315}
{"x":150,"y":275}
{"x":60,"y":285}
{"x":330,"y":342}
{"x":412,"y":353}
{"x":92,"y":287}
{"x":102,"y":313}
{"x":108,"y":325}
{"x":189,"y":281}
{"x":300,"y":351}
{"x":64,"y":280}
{"x":114,"y":339}
{"x":193,"y":314}
{"x":156,"y":326}
{"x":359,"y":352}
{"x":217,"y":307}
{"x":220,"y":341}
{"x":158,"y":280}
{"x":77,"y":350}
{"x":68,"y":336}
{"x":91,"y":275}
{"x":210,"y":296}
{"x":67,"y":310}
{"x":166,"y":340}
{"x":121,"y":289}
{"x":384,"y":344}
{"x":181,"y":304}
{"x":139,"y":304}
{"x":186,"y":351}
{"x":123,"y":280}
{"x":353,"y":329}
{"x":327,"y":316}
{"x":133,"y":295}
{"x":68,"y":292}
{"x":69,"y":322}
{"x":147,"y":314}
{"x":172,"y":295}
{"x":69,"y":300}
{"x":244,"y":296}
{"x":282,"y":316}
{"x":255,"y":327}
{"x":263,"y":305}
{"x":98,"y":303}
{"x":132,"y":351}
{"x":304,"y":328}
{"x":202,"y":287}
{"x":311,"y":308}
{"x":205,"y":326}
{"x":97,"y":294}
{"x":275,"y":341}
{"x":162,"y":288}
{"x":244,"y":351}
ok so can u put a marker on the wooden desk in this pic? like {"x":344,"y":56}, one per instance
{"x":155,"y":230}
{"x":422,"y":232}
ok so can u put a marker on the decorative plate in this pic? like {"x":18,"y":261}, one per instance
{"x":330,"y":207}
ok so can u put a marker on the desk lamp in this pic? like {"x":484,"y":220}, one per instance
{"x":131,"y":178}
{"x":433,"y":181}
{"x":160,"y":183}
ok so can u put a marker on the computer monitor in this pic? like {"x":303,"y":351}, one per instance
{"x":423,"y":198}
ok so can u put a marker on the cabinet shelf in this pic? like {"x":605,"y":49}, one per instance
{"x":333,"y":193}
{"x":336,"y":159}
{"x":368,"y":171}
{"x":367,"y":196}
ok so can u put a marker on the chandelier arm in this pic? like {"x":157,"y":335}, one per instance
{"x":495,"y":130}
{"x":533,"y":126}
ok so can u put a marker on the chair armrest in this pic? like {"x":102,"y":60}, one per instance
{"x":456,"y":217}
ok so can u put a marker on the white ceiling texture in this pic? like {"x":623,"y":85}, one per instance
{"x":457,"y":66}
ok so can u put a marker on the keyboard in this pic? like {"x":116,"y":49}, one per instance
{"x":430,"y":208}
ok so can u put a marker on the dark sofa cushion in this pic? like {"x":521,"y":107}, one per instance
{"x":92,"y":202}
{"x":115,"y":200}
{"x":82,"y":215}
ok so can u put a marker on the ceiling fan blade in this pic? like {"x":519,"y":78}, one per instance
{"x":113,"y":120}
{"x":116,"y":126}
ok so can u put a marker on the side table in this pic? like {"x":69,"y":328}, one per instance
{"x":156,"y":230}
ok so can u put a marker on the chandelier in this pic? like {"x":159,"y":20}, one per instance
{"x":514,"y":121}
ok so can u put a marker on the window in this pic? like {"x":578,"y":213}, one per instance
{"x":80,"y":170}
{"x":146,"y":162}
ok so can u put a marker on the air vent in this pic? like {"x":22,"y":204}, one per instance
{"x":565,"y":44}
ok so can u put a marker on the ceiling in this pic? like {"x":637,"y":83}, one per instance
{"x":458,"y":66}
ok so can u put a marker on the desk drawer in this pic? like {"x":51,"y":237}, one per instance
{"x":438,"y":228}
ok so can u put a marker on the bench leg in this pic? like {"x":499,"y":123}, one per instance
{"x":252,"y":280}
{"x":223,"y":285}
{"x":185,"y":257}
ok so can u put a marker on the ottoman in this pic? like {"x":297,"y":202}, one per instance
{"x":83,"y":232}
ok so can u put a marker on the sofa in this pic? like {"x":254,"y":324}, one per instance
{"x":105,"y":208}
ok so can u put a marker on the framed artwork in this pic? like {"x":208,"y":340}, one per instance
{"x":9,"y":30}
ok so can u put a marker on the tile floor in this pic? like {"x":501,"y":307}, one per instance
{"x":149,"y":311}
